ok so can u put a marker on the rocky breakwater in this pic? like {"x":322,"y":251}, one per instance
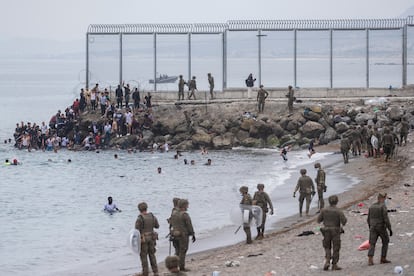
{"x":223,"y":125}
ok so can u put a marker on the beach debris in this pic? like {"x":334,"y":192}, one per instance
{"x":364,"y":246}
{"x":306,"y":233}
{"x":358,"y":237}
{"x":398,"y":270}
{"x":409,"y":234}
{"x":254,"y":255}
{"x":277,"y":257}
{"x":407,"y":185}
{"x":392,"y":210}
{"x":361,"y":204}
{"x":270,"y":273}
{"x":232,"y":263}
{"x":215,"y":273}
{"x":313,"y":267}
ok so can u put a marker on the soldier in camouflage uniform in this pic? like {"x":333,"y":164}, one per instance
{"x":262,"y":199}
{"x":173,"y":212}
{"x":181,"y":83}
{"x":306,"y":190}
{"x":378,"y":223}
{"x":182,"y":229}
{"x":172,"y":263}
{"x":387,"y":143}
{"x":246,"y":200}
{"x":332,"y":219}
{"x":145,"y":224}
{"x":320,"y":185}
{"x":345,"y":146}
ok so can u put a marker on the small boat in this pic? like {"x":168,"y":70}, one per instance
{"x":164,"y":79}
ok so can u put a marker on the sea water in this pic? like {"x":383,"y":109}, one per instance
{"x":52,"y":219}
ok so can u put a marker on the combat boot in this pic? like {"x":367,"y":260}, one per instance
{"x":384,"y":260}
{"x":327,"y":263}
{"x":370,"y":260}
{"x":336,"y":267}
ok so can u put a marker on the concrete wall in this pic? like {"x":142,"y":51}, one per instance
{"x":241,"y":93}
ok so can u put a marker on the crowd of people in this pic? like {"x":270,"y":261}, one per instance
{"x":120,"y":119}
{"x":374,"y":141}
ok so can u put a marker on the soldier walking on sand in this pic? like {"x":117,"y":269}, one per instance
{"x":306,"y":190}
{"x":262,"y":199}
{"x":145,"y":224}
{"x":246,"y":200}
{"x":378,"y":223}
{"x":345,"y":146}
{"x":332,"y":219}
{"x":291,"y":97}
{"x":320,"y":185}
{"x":261,"y":97}
{"x":182,"y":229}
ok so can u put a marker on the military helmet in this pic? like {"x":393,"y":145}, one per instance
{"x":172,"y":262}
{"x":303,"y":171}
{"x":317,"y":165}
{"x":182,"y":203}
{"x":244,"y":189}
{"x":175,"y":201}
{"x":260,"y":186}
{"x":333,"y":200}
{"x":142,"y":206}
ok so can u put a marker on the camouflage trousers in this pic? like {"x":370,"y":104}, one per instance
{"x":374,"y":233}
{"x":148,"y":251}
{"x":332,"y":243}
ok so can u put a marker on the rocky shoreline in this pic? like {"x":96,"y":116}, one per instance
{"x":190,"y":125}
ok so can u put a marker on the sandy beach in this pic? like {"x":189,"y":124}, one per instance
{"x":283,"y":252}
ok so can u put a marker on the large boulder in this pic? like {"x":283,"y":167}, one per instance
{"x":260,"y":129}
{"x":312,"y":116}
{"x":223,"y":141}
{"x":329,"y":136}
{"x":363,"y":118}
{"x":200,"y":139}
{"x":312,"y":129}
{"x":395,"y":113}
{"x":252,"y":142}
{"x":341,"y":127}
{"x":246,"y":124}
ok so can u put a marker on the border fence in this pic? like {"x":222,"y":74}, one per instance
{"x":397,"y":41}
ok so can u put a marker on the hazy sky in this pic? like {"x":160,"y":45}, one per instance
{"x":69,"y":19}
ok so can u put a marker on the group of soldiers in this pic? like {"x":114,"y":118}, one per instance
{"x":192,"y":87}
{"x":181,"y":229}
{"x":374,"y":140}
{"x":333,"y":218}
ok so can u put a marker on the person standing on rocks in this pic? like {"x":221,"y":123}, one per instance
{"x":306,"y":190}
{"x":291,"y":97}
{"x":378,"y":223}
{"x":262,"y":199}
{"x":261,"y":98}
{"x":250,"y":83}
{"x":192,"y":86}
{"x":246,"y":200}
{"x":181,"y":83}
{"x":320,"y":185}
{"x":211,"y":85}
{"x":332,"y":219}
{"x":119,"y":96}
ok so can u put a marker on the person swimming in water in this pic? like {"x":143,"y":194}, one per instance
{"x":111,"y":207}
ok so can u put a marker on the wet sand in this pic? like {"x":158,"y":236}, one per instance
{"x":283,"y":252}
